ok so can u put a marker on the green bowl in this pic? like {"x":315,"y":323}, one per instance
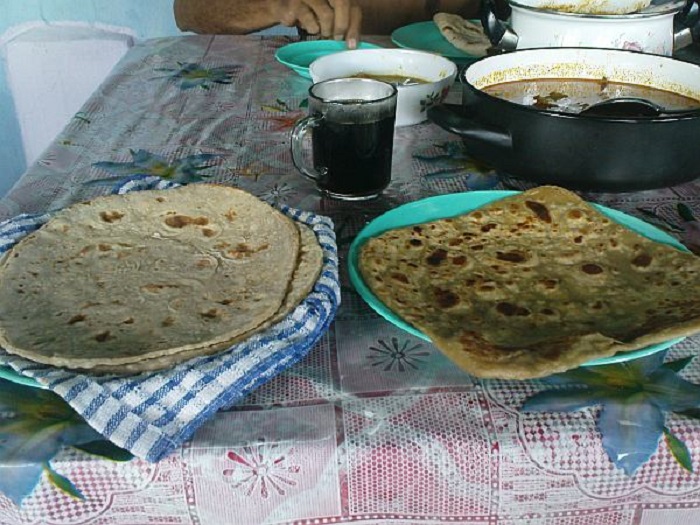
{"x":298,"y":56}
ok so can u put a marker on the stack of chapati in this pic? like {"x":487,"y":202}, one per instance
{"x":534,"y":284}
{"x":136,"y":282}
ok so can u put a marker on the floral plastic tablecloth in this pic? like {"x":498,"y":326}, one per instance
{"x":374,"y":425}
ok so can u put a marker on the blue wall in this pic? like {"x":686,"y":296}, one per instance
{"x":146,"y":18}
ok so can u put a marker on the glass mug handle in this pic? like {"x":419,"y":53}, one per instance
{"x":298,"y":133}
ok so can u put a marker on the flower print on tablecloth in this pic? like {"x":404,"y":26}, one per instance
{"x":281,"y":116}
{"x":294,"y":85}
{"x":105,"y":485}
{"x":395,"y":354}
{"x":688,"y":227}
{"x":450,"y":160}
{"x":265,"y":466}
{"x":291,"y":87}
{"x":183,"y":170}
{"x":633,"y":397}
{"x":262,"y":469}
{"x":266,"y":170}
{"x":598,"y":426}
{"x":278,"y":193}
{"x":36,"y":425}
{"x":193,"y":75}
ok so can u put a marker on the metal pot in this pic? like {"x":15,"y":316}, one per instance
{"x":574,"y":150}
{"x":661,"y":28}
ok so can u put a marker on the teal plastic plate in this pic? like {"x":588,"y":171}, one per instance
{"x":298,"y":56}
{"x":442,"y":206}
{"x":8,"y":373}
{"x":425,"y":36}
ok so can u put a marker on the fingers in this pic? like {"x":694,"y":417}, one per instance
{"x":330,"y":18}
{"x":352,"y":36}
{"x":314,"y":16}
{"x":291,"y":11}
{"x":325,"y":16}
{"x":341,"y":18}
{"x":301,"y":15}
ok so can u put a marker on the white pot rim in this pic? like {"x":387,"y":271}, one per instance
{"x":660,"y":9}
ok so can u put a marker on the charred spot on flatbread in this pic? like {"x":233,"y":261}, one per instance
{"x":539,"y":282}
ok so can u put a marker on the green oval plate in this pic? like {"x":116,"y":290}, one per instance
{"x":425,"y":36}
{"x":450,"y":205}
{"x":10,"y":374}
{"x":299,"y":55}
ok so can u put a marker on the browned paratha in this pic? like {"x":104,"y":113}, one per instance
{"x":533,"y":284}
{"x":144,"y":280}
{"x":465,"y":35}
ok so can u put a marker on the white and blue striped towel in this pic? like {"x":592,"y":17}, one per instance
{"x":152,"y":414}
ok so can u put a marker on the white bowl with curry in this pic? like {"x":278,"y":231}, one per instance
{"x":423,"y":79}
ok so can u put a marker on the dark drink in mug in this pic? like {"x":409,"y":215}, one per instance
{"x":352,"y":132}
{"x":353,"y":158}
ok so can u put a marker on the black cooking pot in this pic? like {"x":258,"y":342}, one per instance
{"x":610,"y":153}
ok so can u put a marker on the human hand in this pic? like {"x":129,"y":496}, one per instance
{"x":338,"y":19}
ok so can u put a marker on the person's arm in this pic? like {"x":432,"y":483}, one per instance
{"x":330,"y":18}
{"x":224,"y":16}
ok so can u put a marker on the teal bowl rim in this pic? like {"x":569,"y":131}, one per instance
{"x":286,"y":54}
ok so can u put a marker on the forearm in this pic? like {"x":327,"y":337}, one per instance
{"x":225,"y":16}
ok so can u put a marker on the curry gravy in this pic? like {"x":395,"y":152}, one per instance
{"x":575,"y":95}
{"x":397,"y":80}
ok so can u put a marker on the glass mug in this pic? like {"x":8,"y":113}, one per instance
{"x":352,"y":134}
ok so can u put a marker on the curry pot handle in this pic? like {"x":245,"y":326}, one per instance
{"x":498,"y":33}
{"x":686,"y":25}
{"x":451,"y":117}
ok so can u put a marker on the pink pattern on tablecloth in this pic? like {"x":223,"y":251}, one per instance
{"x":134,"y":491}
{"x":569,"y":445}
{"x":403,"y":456}
{"x":350,"y":435}
{"x":263,"y":469}
{"x":246,"y":470}
{"x":363,"y":368}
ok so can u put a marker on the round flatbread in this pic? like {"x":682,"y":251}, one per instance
{"x":305,"y":276}
{"x":465,"y":35}
{"x":163,"y":274}
{"x":533,"y":284}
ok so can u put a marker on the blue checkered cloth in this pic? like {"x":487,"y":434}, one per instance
{"x":151,"y":414}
